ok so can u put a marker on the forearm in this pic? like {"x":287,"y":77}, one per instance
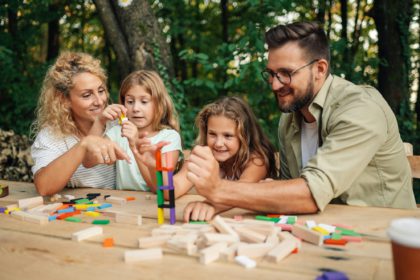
{"x":46,"y":180}
{"x":288,"y":196}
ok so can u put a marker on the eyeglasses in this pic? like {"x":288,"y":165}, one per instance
{"x":284,"y":76}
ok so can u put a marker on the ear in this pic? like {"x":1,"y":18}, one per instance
{"x":65,"y":100}
{"x":321,"y":69}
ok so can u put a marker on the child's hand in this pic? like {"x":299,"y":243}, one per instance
{"x":198,"y":211}
{"x":112,"y":112}
{"x":147,"y":151}
{"x":130,"y":131}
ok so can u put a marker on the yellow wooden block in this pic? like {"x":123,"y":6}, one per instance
{"x":320,"y":230}
{"x":161,"y":217}
{"x":92,"y":214}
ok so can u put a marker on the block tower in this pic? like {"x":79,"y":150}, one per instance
{"x":169,"y":170}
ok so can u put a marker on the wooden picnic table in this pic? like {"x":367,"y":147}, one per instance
{"x":32,"y":251}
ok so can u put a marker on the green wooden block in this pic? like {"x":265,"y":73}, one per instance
{"x":82,"y":201}
{"x":291,"y":220}
{"x":100,"y":222}
{"x":198,"y":222}
{"x":265,"y":218}
{"x":73,"y":219}
{"x":336,"y":236}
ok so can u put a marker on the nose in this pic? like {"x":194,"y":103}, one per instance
{"x":219,"y":142}
{"x":98,"y":99}
{"x":275,"y":84}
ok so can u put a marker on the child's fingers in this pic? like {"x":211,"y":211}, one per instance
{"x":187,"y":212}
{"x":210,"y":213}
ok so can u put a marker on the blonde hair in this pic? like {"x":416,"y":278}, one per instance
{"x":52,"y":111}
{"x":165,"y":113}
{"x":254,"y":143}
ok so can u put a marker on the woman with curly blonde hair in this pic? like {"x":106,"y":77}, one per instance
{"x":73,"y":95}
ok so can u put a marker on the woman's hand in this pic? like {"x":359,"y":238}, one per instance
{"x":100,"y":150}
{"x":198,"y":211}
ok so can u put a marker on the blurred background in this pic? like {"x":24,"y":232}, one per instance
{"x":203,"y":50}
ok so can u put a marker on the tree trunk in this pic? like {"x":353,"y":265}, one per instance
{"x":346,"y":61}
{"x":320,"y":16}
{"x":392,"y":19}
{"x":53,"y":34}
{"x":135,"y":36}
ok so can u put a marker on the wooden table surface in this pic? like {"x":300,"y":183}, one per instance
{"x":31,"y":251}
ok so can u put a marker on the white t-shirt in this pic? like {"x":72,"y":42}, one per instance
{"x":128,"y":175}
{"x":47,"y":147}
{"x":309,"y":141}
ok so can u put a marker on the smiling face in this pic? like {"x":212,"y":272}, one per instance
{"x":140,"y":108}
{"x":222,"y":137}
{"x":300,"y":92}
{"x":87,"y":98}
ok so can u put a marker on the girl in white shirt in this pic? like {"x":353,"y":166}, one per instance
{"x":151,"y":119}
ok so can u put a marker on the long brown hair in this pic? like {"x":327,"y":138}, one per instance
{"x":52,"y":111}
{"x":165,"y":113}
{"x":254,"y":144}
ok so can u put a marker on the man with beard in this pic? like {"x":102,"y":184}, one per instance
{"x":339,"y":141}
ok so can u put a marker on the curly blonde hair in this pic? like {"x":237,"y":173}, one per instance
{"x":165,"y":113}
{"x":52,"y":111}
{"x":254,"y":144}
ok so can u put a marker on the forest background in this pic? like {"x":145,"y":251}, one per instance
{"x":203,"y":49}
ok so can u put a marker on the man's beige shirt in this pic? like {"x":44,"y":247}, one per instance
{"x":361,"y":158}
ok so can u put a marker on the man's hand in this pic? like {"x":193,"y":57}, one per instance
{"x":203,"y":172}
{"x":100,"y":150}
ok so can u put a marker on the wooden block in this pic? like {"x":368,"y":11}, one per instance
{"x":285,"y":235}
{"x":212,"y":238}
{"x":254,"y":250}
{"x":116,"y":200}
{"x":41,"y":220}
{"x":307,"y":234}
{"x":126,"y":218}
{"x":153,"y":241}
{"x":212,"y":253}
{"x":178,"y":246}
{"x":143,"y":255}
{"x":30,"y":202}
{"x":166,"y":230}
{"x":247,"y":235}
{"x":245,"y":261}
{"x":108,"y":243}
{"x":281,"y":250}
{"x":230,"y":253}
{"x":109,"y":212}
{"x":87,"y":233}
{"x":273,"y":237}
{"x":223,"y":227}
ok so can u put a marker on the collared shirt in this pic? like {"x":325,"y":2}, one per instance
{"x":361,"y":158}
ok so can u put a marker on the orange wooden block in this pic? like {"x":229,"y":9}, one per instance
{"x":130,"y":198}
{"x":274,"y":215}
{"x":64,"y":206}
{"x":158,"y":156}
{"x":295,"y":251}
{"x":108,"y":242}
{"x":341,"y":242}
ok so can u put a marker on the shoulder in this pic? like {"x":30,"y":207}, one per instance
{"x":167,"y":134}
{"x":47,"y":137}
